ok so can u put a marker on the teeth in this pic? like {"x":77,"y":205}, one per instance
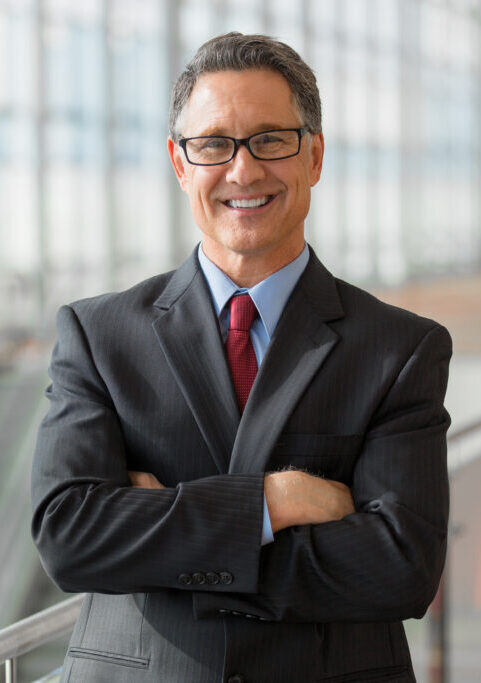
{"x":247,"y":203}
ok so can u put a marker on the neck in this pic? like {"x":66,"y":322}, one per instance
{"x":247,"y":270}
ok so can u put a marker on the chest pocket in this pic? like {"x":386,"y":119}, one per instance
{"x":327,"y":455}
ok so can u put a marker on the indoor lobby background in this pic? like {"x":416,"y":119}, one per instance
{"x":88,"y":203}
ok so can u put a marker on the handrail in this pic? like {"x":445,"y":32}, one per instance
{"x":49,"y":624}
{"x":464,"y":431}
{"x":459,"y":457}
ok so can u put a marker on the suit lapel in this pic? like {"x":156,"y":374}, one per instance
{"x":188,"y":332}
{"x":300,"y":345}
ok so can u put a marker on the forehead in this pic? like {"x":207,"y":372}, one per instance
{"x":239,"y":103}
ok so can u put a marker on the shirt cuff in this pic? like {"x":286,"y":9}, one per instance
{"x":267,"y":535}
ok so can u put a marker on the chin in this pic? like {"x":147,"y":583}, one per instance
{"x":249,"y":243}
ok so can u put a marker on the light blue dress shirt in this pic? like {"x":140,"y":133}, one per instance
{"x":269,"y":296}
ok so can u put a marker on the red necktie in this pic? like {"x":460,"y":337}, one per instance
{"x":239,"y":349}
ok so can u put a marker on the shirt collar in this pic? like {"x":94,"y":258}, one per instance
{"x":269,"y":296}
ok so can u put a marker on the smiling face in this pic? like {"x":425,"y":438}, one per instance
{"x":251,"y":212}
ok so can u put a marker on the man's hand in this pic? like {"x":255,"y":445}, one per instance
{"x":294,"y":497}
{"x":144,"y":480}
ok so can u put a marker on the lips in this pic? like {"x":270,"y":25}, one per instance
{"x":253,"y":203}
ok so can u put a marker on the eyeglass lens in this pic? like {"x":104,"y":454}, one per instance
{"x":269,"y":145}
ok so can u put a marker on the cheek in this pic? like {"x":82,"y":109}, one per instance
{"x":301,"y":196}
{"x":201,"y":205}
{"x":203,"y":189}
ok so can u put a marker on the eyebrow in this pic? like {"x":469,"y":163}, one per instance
{"x":258,"y":129}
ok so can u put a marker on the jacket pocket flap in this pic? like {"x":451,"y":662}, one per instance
{"x":110,"y":657}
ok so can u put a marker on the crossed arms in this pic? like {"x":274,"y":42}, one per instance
{"x":96,"y":532}
{"x":293,"y":497}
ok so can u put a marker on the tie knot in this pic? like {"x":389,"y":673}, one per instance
{"x":242,"y":312}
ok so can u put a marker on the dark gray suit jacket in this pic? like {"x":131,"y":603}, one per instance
{"x":179,"y":588}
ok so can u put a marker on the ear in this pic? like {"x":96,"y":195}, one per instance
{"x":178,"y":162}
{"x":316,"y":154}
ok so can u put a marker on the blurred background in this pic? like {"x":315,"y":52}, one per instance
{"x":88,"y":203}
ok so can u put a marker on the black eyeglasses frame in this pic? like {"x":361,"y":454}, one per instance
{"x":182,"y":142}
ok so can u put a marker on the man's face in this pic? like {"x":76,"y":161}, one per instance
{"x":238,"y":104}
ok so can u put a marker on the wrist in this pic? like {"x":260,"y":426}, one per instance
{"x":278,"y":490}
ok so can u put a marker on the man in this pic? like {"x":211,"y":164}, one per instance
{"x":170,"y":402}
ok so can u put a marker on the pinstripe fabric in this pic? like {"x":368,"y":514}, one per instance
{"x":350,"y":389}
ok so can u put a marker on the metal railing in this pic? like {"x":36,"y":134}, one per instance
{"x":467,"y":430}
{"x":40,"y":628}
{"x":59,"y":620}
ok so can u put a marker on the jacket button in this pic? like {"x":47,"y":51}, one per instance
{"x":198,"y":578}
{"x":236,"y":678}
{"x":184,"y":579}
{"x":226,"y":578}
{"x":212,"y":578}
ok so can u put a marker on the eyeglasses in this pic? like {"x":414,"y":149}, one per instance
{"x":270,"y":145}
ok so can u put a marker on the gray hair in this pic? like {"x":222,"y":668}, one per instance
{"x":236,"y":51}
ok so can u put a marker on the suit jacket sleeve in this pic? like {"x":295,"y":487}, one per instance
{"x":384,"y":561}
{"x":94,"y":531}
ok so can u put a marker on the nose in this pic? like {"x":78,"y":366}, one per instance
{"x":244,"y":169}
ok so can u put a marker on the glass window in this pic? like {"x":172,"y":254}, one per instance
{"x":333,"y":111}
{"x":141,"y":17}
{"x":4,"y":60}
{"x":17,"y":139}
{"x":285,"y":9}
{"x":358,"y":91}
{"x":151,"y":104}
{"x":462,"y":46}
{"x":125,"y":81}
{"x":359,"y":256}
{"x":18,"y":6}
{"x":60,"y":76}
{"x":87,"y":10}
{"x":386,"y":107}
{"x":88,"y":64}
{"x":385,"y":27}
{"x":18,"y":75}
{"x":324,"y":16}
{"x":391,"y":261}
{"x":196,"y":20}
{"x":434,"y":31}
{"x":18,"y":220}
{"x":356,"y":14}
{"x":323,"y":226}
{"x":243,"y":19}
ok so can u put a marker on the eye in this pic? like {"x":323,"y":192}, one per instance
{"x":268,"y":138}
{"x":275,"y":144}
{"x":213,"y":144}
